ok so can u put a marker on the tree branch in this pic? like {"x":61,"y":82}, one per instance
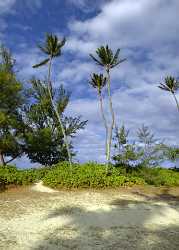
{"x":13,"y":158}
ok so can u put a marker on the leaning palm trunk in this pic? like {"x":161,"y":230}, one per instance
{"x":112,"y":114}
{"x":105,"y":124}
{"x":57,"y":114}
{"x":176,"y":101}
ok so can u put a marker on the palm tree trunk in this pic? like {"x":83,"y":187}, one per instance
{"x":112,"y":114}
{"x":56,"y":112}
{"x":105,"y":124}
{"x":176,"y":101}
{"x":2,"y":161}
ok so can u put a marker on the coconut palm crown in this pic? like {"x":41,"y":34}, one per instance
{"x":98,"y":81}
{"x":106,"y":58}
{"x":171,"y":84}
{"x":52,"y":48}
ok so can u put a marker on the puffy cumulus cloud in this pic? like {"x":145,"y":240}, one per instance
{"x":25,"y":59}
{"x":147,"y":32}
{"x":127,"y":23}
{"x":133,"y":107}
{"x":80,"y":47}
{"x":76,"y":71}
{"x":91,"y":146}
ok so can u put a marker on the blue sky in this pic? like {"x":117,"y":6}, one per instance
{"x":147,"y":33}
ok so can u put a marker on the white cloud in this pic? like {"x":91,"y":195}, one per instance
{"x":147,"y":31}
{"x":81,"y":47}
{"x":127,"y":23}
{"x":25,"y":59}
{"x":6,"y":6}
{"x":133,"y":107}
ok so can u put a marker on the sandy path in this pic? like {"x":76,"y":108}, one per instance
{"x":87,"y":220}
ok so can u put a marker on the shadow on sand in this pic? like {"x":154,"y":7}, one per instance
{"x":121,"y":225}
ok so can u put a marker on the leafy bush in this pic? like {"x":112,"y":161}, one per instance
{"x":157,"y":176}
{"x":12,"y":175}
{"x":89,"y":175}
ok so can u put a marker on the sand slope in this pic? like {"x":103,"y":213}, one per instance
{"x":85,"y":220}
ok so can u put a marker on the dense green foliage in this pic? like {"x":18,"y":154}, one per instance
{"x":11,"y":175}
{"x":32,"y":120}
{"x":157,"y":176}
{"x":94,"y":175}
{"x":44,"y":139}
{"x":89,"y":175}
{"x":11,"y":100}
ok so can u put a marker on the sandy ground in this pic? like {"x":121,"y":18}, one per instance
{"x":39,"y":187}
{"x":37,"y":218}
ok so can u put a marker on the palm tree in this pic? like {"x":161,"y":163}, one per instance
{"x":52,"y":48}
{"x":171,"y":85}
{"x":108,"y":60}
{"x":98,"y":82}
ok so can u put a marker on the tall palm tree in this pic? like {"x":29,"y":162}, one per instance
{"x":98,"y":82}
{"x":52,"y":48}
{"x":171,"y":85}
{"x":108,"y":60}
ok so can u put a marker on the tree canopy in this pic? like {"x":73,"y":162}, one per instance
{"x":45,"y":141}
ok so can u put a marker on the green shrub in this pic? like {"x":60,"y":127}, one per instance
{"x":89,"y":175}
{"x":12,"y":175}
{"x":157,"y":176}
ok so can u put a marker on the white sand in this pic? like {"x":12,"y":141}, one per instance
{"x":89,"y":220}
{"x":39,"y":187}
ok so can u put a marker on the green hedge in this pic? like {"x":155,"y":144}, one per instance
{"x":157,"y":176}
{"x":12,"y":175}
{"x":89,"y":175}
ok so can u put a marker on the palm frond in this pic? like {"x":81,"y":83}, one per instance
{"x":96,"y":60}
{"x":119,"y":62}
{"x":115,"y":58}
{"x":43,"y":49}
{"x":170,"y":84}
{"x":163,"y":87}
{"x":106,"y":58}
{"x":98,"y":81}
{"x":41,"y":63}
{"x":62,"y":42}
